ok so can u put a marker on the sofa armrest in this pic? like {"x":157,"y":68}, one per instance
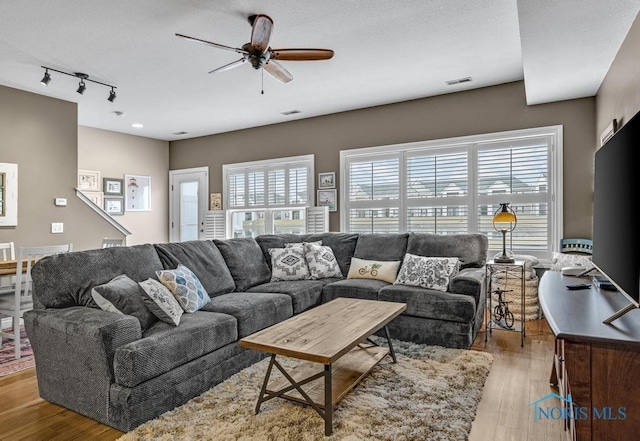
{"x":74,"y":349}
{"x":469,"y":281}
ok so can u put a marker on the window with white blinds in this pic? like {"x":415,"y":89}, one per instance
{"x":454,"y":186}
{"x":268,"y":196}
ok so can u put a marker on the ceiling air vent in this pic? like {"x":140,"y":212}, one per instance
{"x":180,"y":133}
{"x":290,"y":112}
{"x":458,"y":81}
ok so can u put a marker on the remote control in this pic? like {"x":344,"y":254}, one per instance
{"x":579,"y":286}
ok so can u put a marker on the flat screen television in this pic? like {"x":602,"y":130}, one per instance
{"x":616,"y":229}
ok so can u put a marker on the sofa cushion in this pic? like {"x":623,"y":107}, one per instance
{"x":124,"y":296}
{"x":471,"y":249}
{"x":353,"y":288}
{"x":164,"y":347}
{"x":266,"y":241}
{"x":185,"y":287}
{"x":343,"y":246}
{"x":161,"y":302}
{"x":373,"y":269}
{"x":428,"y":272}
{"x":245,"y":261}
{"x":204,"y":259}
{"x":288,"y":264}
{"x":253,"y":311}
{"x":66,"y":279}
{"x":321,"y":261}
{"x":378,"y":246}
{"x":304,"y":293}
{"x":430,"y":303}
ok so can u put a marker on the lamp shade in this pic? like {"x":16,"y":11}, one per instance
{"x":504,"y":217}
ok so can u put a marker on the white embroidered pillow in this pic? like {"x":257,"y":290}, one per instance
{"x":321,"y":261}
{"x":288,"y":264}
{"x":563,"y":260}
{"x":428,"y":272}
{"x":373,"y":269}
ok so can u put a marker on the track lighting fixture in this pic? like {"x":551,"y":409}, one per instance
{"x":82,"y":85}
{"x":46,"y":79}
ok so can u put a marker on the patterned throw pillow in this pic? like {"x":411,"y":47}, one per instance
{"x":563,"y":260}
{"x":373,"y":269}
{"x":185,"y":287}
{"x":161,"y":302}
{"x":288,"y":264}
{"x":321,"y":260}
{"x":428,"y":272}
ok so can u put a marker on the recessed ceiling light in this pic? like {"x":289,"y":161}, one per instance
{"x":290,"y":112}
{"x":458,"y":81}
{"x":137,"y":125}
{"x":118,"y":113}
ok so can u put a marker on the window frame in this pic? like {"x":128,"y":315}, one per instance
{"x":265,"y":166}
{"x":472,"y":144}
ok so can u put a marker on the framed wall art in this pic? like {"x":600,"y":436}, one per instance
{"x":113,"y":186}
{"x":114,"y":206}
{"x":137,"y":192}
{"x":94,"y":196}
{"x":327,"y":198}
{"x":89,"y":180}
{"x":8,"y":195}
{"x":216,"y":202}
{"x":327,"y":180}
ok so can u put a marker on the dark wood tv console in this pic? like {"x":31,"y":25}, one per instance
{"x":598,"y":364}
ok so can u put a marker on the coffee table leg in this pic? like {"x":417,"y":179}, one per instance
{"x":328,"y":401}
{"x":264,"y":384}
{"x":393,"y":353}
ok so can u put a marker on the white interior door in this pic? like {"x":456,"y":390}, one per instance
{"x":188,"y":203}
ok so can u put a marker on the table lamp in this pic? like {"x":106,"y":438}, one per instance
{"x":506,"y":218}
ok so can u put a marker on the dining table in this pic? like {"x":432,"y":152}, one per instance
{"x":8,"y":267}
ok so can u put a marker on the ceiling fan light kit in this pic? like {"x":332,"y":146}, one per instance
{"x":81,"y":85}
{"x":258,"y":53}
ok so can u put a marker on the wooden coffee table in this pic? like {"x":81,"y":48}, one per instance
{"x":333,"y":335}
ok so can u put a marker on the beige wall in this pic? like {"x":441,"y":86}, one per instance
{"x":485,"y":110}
{"x":116,"y":154}
{"x":40,"y":135}
{"x":619,"y":94}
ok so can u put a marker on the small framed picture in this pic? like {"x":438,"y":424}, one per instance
{"x":138,"y":192}
{"x":112,"y":186}
{"x":327,"y":180}
{"x":114,"y":206}
{"x":327,"y":198}
{"x":89,"y":180}
{"x":216,"y":202}
{"x":94,"y":196}
{"x":608,"y":132}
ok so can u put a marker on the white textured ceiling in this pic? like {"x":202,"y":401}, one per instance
{"x":385,"y":51}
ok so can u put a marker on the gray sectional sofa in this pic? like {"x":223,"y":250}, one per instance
{"x":102,"y":364}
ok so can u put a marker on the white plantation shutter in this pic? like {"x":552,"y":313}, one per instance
{"x":215,"y":225}
{"x":317,"y":220}
{"x":454,"y":186}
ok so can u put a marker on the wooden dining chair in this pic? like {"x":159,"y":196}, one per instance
{"x":14,"y":301}
{"x":108,"y":243}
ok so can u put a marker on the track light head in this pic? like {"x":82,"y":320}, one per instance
{"x":81,"y":87}
{"x":46,"y":79}
{"x":112,"y":95}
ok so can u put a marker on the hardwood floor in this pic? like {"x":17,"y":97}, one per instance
{"x":518,"y":377}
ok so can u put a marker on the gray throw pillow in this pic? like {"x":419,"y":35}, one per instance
{"x":124,"y":296}
{"x":161,"y":302}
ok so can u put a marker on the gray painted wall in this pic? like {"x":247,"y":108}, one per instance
{"x":40,"y":134}
{"x":486,"y":110}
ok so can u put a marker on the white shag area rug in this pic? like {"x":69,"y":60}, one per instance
{"x":432,"y":393}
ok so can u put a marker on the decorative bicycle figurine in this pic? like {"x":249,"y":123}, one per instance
{"x":373,"y":271}
{"x":501,"y":314}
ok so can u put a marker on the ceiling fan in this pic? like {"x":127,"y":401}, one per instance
{"x":258,"y":53}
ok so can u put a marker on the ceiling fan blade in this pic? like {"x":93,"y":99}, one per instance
{"x":230,"y":65}
{"x":261,"y":31}
{"x":210,"y":43}
{"x":276,"y":69}
{"x":300,"y":54}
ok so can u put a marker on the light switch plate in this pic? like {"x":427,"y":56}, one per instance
{"x":57,"y":227}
